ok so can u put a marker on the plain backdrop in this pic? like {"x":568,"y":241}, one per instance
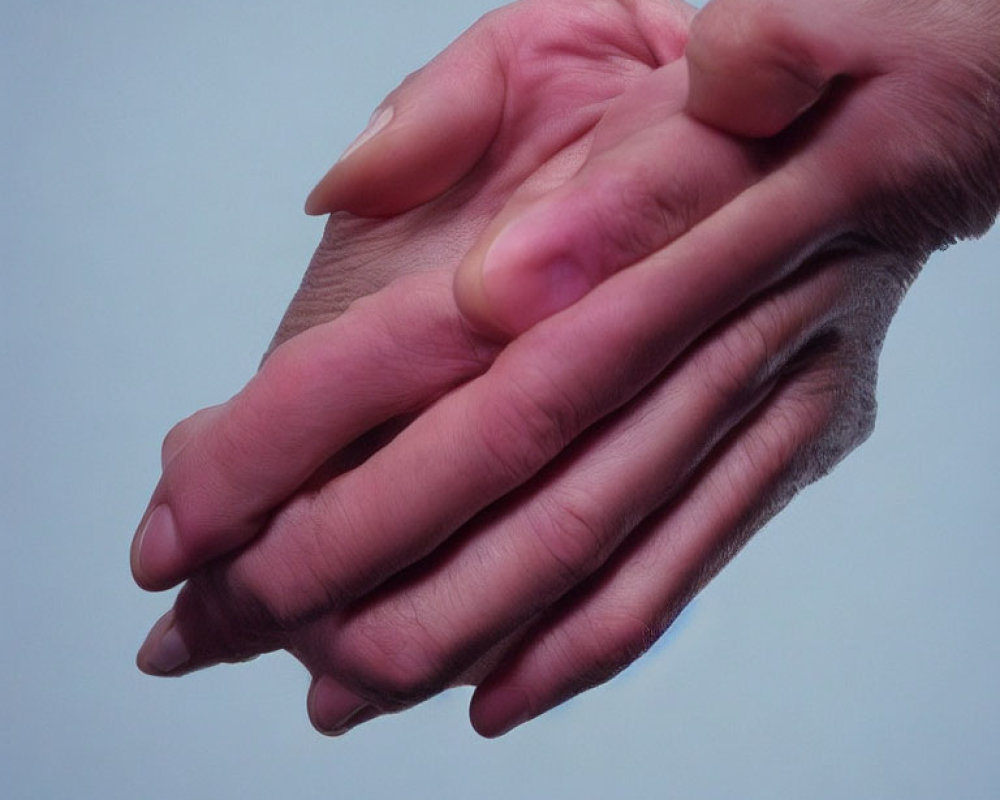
{"x":153,"y":162}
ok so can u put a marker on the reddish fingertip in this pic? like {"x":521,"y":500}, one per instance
{"x":520,"y":299}
{"x":496,"y":712}
{"x":520,"y":284}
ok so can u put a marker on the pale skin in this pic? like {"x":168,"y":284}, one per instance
{"x":610,"y":326}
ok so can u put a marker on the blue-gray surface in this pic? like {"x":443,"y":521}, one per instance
{"x":154,"y":159}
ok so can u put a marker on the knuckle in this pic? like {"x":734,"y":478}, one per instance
{"x":628,"y":637}
{"x":614,"y":639}
{"x":297,"y":371}
{"x":295,"y":573}
{"x":394,"y":662}
{"x":670,"y":204}
{"x":735,"y":364}
{"x":639,"y":209}
{"x":573,"y":533}
{"x":825,"y":409}
{"x":239,"y":625}
{"x":839,"y":393}
{"x":257,"y":597}
{"x":526,"y":424}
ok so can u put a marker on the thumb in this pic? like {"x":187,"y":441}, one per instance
{"x":756,"y":65}
{"x":652,"y":175}
{"x":425,"y":136}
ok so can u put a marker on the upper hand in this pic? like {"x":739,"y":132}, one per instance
{"x":889,"y":112}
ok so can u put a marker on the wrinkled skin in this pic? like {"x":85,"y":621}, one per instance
{"x":407,"y":502}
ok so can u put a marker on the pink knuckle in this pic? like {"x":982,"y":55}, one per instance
{"x":639,"y":209}
{"x":733,"y":367}
{"x":296,"y":572}
{"x":393,"y":666}
{"x":664,"y":204}
{"x":523,"y":427}
{"x":295,"y":371}
{"x":277,"y":597}
{"x":575,"y":535}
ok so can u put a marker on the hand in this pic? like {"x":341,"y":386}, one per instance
{"x":704,"y":456}
{"x":226,"y":468}
{"x":535,"y":659}
{"x":897,"y":109}
{"x":546,"y":96}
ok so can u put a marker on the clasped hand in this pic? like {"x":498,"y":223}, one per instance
{"x":572,"y":346}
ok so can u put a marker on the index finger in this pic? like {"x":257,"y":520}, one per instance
{"x":392,"y":353}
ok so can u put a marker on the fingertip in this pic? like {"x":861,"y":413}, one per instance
{"x":312,"y":206}
{"x":754,"y":68}
{"x":327,"y":196}
{"x":334,"y":709}
{"x":516,"y":278}
{"x":494,"y":712}
{"x":335,"y":190}
{"x":164,"y":651}
{"x":157,"y":554}
{"x":379,"y":121}
{"x":472,"y":303}
{"x":426,"y":137}
{"x":471,"y":297}
{"x":522,"y":295}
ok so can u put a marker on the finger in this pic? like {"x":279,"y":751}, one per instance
{"x":424,"y":137}
{"x":334,"y":709}
{"x":624,"y":204}
{"x":228,"y":467}
{"x":169,"y":560}
{"x":475,"y":445}
{"x":512,"y":73}
{"x":756,"y":66}
{"x":749,"y":477}
{"x":909,"y":129}
{"x":423,"y":634}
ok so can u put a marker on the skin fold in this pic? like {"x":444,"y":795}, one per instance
{"x":587,"y":312}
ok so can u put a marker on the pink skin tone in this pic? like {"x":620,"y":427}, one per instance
{"x":406,"y":503}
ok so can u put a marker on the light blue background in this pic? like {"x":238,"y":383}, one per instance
{"x":154,"y":158}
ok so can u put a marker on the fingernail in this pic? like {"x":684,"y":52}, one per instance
{"x":380,"y":118}
{"x":335,"y":710}
{"x":359,"y":717}
{"x":164,"y":650}
{"x":159,"y":547}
